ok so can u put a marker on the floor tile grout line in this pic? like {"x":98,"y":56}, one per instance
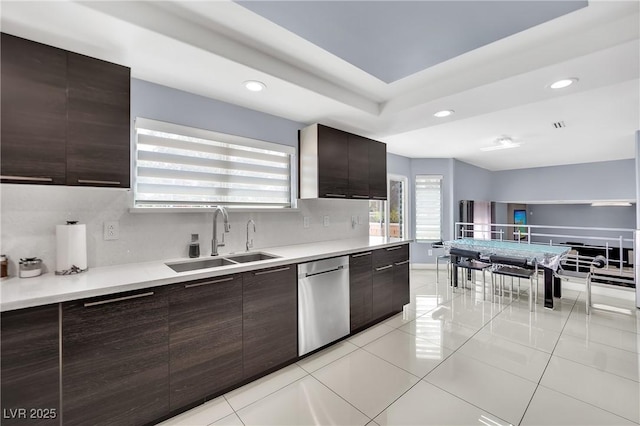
{"x":524,"y":413}
{"x":342,"y":398}
{"x":602,"y":371}
{"x":270,"y":393}
{"x":588,"y":403}
{"x":331,"y":362}
{"x":464,"y":400}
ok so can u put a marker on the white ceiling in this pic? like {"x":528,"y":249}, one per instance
{"x":211,"y":47}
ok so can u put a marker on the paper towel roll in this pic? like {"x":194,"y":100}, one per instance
{"x":71,"y":246}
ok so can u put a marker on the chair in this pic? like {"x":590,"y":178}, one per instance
{"x":469,"y":260}
{"x":601,"y":274}
{"x":514,"y":267}
{"x":440,"y":245}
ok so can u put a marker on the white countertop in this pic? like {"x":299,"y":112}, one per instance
{"x":17,"y":293}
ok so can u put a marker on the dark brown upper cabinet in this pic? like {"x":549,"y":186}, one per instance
{"x":65,"y":117}
{"x":34,"y":112}
{"x":338,"y":164}
{"x":377,"y":170}
{"x":98,"y":132}
{"x":359,"y":167}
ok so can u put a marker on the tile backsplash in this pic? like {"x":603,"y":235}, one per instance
{"x":31,"y":212}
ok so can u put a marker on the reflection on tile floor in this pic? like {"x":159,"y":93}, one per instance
{"x":453,"y":359}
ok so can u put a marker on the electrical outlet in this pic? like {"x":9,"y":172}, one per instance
{"x":430,"y":252}
{"x":325,"y":221}
{"x":354,"y":221}
{"x":111,"y":230}
{"x":306,"y":222}
{"x":359,"y":220}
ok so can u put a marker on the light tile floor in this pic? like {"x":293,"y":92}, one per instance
{"x":453,"y":359}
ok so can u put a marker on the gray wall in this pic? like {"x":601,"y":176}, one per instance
{"x":471,"y":183}
{"x":150,"y":100}
{"x":607,"y":180}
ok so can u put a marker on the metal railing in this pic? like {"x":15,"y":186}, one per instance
{"x":606,"y":239}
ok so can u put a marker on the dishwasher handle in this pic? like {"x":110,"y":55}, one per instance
{"x":313,"y":274}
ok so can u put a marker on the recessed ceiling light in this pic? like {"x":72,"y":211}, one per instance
{"x":444,"y":113}
{"x":561,"y":84}
{"x":254,"y":85}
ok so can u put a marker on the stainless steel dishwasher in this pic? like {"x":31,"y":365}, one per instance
{"x":323,"y":302}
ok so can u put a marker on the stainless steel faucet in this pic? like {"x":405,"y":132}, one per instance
{"x":227,"y":227}
{"x":250,"y":244}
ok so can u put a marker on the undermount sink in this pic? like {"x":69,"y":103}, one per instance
{"x":251,"y":257}
{"x":199,"y":264}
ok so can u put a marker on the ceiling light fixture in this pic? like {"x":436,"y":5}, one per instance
{"x":610,"y":204}
{"x":565,"y":82}
{"x":254,"y":85}
{"x":503,"y":142}
{"x":444,"y":113}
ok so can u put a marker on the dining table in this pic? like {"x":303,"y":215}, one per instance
{"x":545,"y":256}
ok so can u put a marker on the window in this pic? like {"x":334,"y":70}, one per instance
{"x":428,"y":208}
{"x":394,"y":209}
{"x":397,"y":206}
{"x":178,"y":166}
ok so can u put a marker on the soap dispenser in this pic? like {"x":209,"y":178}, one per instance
{"x":194,"y":246}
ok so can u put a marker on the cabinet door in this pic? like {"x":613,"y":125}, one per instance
{"x":358,"y":167}
{"x":333,"y":163}
{"x":98,"y":140}
{"x":400,"y":285}
{"x":269,"y":319}
{"x":30,"y":366}
{"x":360,"y":289}
{"x":205,"y":338}
{"x":382,"y":291}
{"x":377,"y":170}
{"x":34,"y":112}
{"x":115,"y":359}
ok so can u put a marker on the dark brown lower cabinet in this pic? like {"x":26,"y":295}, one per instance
{"x":205,"y":338}
{"x":30,"y":373}
{"x":400,"y":285}
{"x":270,"y":318}
{"x":382,"y":291}
{"x":115,"y":359}
{"x":360,"y":289}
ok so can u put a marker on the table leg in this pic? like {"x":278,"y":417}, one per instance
{"x":557,"y":290}
{"x":548,"y":288}
{"x":454,"y":271}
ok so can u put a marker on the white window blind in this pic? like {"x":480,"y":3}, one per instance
{"x":428,"y":207}
{"x":178,"y":166}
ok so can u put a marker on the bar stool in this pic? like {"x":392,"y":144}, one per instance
{"x":469,"y":260}
{"x":514,"y":267}
{"x":446,"y":257}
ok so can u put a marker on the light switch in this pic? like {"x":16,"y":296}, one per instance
{"x":306,"y":222}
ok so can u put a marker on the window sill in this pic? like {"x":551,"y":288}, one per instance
{"x":209,"y":210}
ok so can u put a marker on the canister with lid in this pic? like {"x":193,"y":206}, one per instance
{"x":30,"y":267}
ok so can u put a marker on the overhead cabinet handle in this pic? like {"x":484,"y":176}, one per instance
{"x":361,"y":254}
{"x":99,"y":182}
{"x":271,"y":271}
{"x":394,"y":248}
{"x":402,"y":263}
{"x":360,"y":196}
{"x":119,"y":299}
{"x":335,"y":195}
{"x":382,"y":268}
{"x":379,"y":198}
{"x":28,"y":178}
{"x":222,"y":280}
